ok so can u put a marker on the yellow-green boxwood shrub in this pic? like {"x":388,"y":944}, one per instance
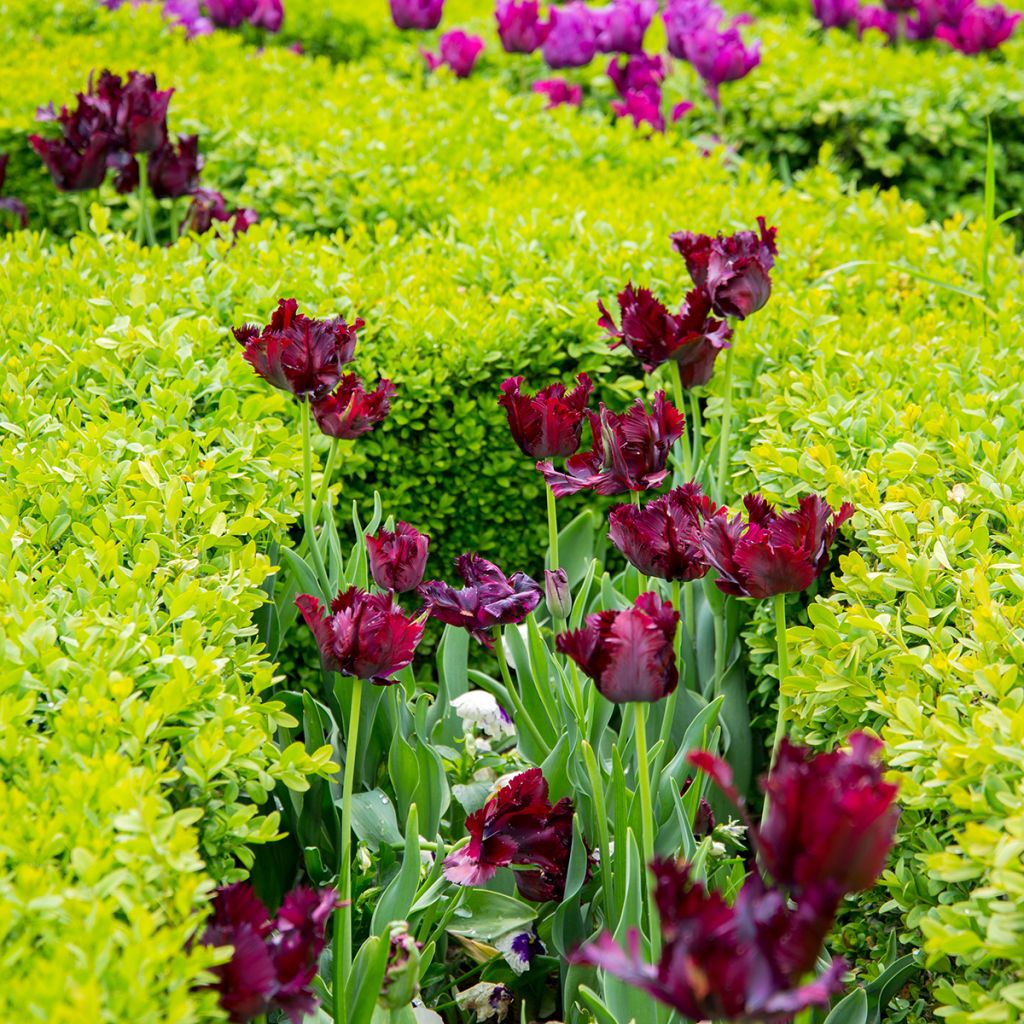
{"x":150,"y":468}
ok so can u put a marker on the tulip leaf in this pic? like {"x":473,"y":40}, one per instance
{"x":576,"y":543}
{"x":366,"y":978}
{"x":882,"y":989}
{"x":851,"y":1009}
{"x":597,"y":1007}
{"x":397,"y":899}
{"x":568,"y":929}
{"x":579,"y":605}
{"x":485,"y":915}
{"x":374,"y":820}
{"x":302,"y":572}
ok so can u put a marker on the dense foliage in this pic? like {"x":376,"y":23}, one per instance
{"x":149,"y":477}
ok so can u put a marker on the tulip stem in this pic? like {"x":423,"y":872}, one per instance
{"x":325,"y":484}
{"x":698,"y":432}
{"x":552,"y":530}
{"x":725,"y":431}
{"x":145,"y":225}
{"x":720,"y":653}
{"x":343,"y":915}
{"x":513,"y":694}
{"x":603,"y":839}
{"x":680,"y":402}
{"x":83,"y":216}
{"x":175,"y":220}
{"x":307,"y":502}
{"x":643,"y":773}
{"x":780,"y":640}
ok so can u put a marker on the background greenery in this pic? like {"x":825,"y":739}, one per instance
{"x":147,"y":469}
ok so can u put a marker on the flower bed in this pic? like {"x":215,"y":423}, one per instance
{"x":150,"y":473}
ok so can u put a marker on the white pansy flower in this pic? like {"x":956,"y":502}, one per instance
{"x":479,"y":708}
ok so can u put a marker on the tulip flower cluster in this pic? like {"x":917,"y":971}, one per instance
{"x":965,"y":25}
{"x":827,"y":831}
{"x":305,"y":357}
{"x":201,"y":17}
{"x":273,"y":960}
{"x":14,"y":207}
{"x":121,"y":126}
{"x":638,"y":80}
{"x":593,"y":687}
{"x":716,"y":51}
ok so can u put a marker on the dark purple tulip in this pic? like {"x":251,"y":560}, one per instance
{"x":350,"y":410}
{"x":518,"y":825}
{"x":457,"y":51}
{"x":559,"y":92}
{"x":572,"y":36}
{"x":629,"y":654}
{"x":398,"y":560}
{"x":143,"y":113}
{"x":735,"y":269}
{"x":301,"y":928}
{"x":747,"y":962}
{"x":831,"y":817}
{"x":979,"y":28}
{"x":664,"y":537}
{"x":365,"y":635}
{"x":639,"y":73}
{"x":836,"y":13}
{"x":643,"y":108}
{"x":692,"y":339}
{"x":488,"y":599}
{"x":173,"y":171}
{"x":274,"y":962}
{"x":548,"y":424}
{"x":624,"y":24}
{"x":879,"y":19}
{"x":297,"y":353}
{"x":208,"y":207}
{"x":11,"y":206}
{"x":700,"y":339}
{"x":417,"y":14}
{"x":629,"y":453}
{"x":75,"y":170}
{"x":772,"y":553}
{"x":520,"y":26}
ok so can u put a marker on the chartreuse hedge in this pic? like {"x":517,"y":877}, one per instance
{"x":150,"y":469}
{"x":920,"y":127}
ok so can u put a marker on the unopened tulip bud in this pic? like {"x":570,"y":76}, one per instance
{"x":556,"y":590}
{"x":402,"y":978}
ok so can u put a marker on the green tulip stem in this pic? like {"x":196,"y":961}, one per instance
{"x":343,"y":915}
{"x":720,"y":653}
{"x":81,"y":204}
{"x":643,"y":773}
{"x":552,"y":529}
{"x":780,"y":640}
{"x":725,"y":431}
{"x":680,"y":403}
{"x":144,"y":229}
{"x":309,"y":521}
{"x":698,"y":432}
{"x":325,"y":484}
{"x":175,"y":220}
{"x":603,"y":838}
